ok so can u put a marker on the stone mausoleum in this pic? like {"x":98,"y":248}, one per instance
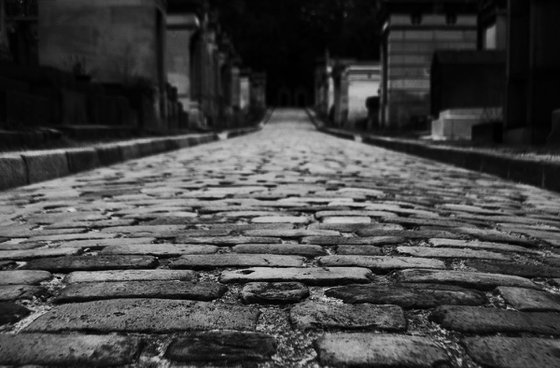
{"x":412,"y":30}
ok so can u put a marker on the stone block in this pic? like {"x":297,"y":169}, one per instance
{"x":67,"y":350}
{"x":145,"y":315}
{"x":525,"y":171}
{"x":109,"y":154}
{"x":222,"y":348}
{"x":46,"y":165}
{"x":379,"y":350}
{"x":129,"y":150}
{"x":82,"y":159}
{"x":13,"y":171}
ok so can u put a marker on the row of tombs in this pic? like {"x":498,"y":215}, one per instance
{"x":483,"y":70}
{"x":148,"y":65}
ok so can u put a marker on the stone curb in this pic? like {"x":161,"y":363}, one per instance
{"x":19,"y":169}
{"x":527,"y":170}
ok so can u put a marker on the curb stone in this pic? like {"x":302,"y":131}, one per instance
{"x":14,"y":171}
{"x":19,"y":169}
{"x":526,"y":170}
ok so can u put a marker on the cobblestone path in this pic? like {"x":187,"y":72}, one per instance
{"x":285,"y":248}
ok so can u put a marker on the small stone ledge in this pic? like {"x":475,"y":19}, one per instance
{"x":19,"y":169}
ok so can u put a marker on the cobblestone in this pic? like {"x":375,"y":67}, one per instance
{"x":296,"y":249}
{"x":311,"y":315}
{"x":311,"y":276}
{"x":530,"y":300}
{"x":426,"y":296}
{"x":362,"y":350}
{"x":129,"y":275}
{"x":144,"y":315}
{"x":222,"y":348}
{"x":274,"y":292}
{"x":382,"y":264}
{"x":174,"y":289}
{"x":489,"y":320}
{"x":92,"y":263}
{"x":67,"y":350}
{"x":507,"y":352}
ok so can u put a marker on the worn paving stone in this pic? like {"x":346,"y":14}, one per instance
{"x":356,"y":228}
{"x":407,"y":234}
{"x":495,"y":236}
{"x":379,"y":350}
{"x":290,"y":233}
{"x":514,"y":268}
{"x":274,"y":292}
{"x":102,"y":243}
{"x":309,"y":276}
{"x":511,"y":352}
{"x":236,"y":260}
{"x":70,"y":237}
{"x":440,"y":252}
{"x":68,"y":350}
{"x":227,"y":240}
{"x":280,"y":219}
{"x":476,"y":280}
{"x":307,"y":250}
{"x":482,"y":320}
{"x":129,"y":275}
{"x":160,"y":250}
{"x":407,"y":297}
{"x":173,"y":289}
{"x":380,"y":263}
{"x":144,"y":315}
{"x":19,"y":292}
{"x":347,"y":220}
{"x":21,"y":255}
{"x":530,"y":300}
{"x":340,"y":240}
{"x":314,"y":315}
{"x":21,"y":277}
{"x":11,"y":312}
{"x":92,"y":263}
{"x":217,"y":195}
{"x":17,"y":246}
{"x":475,"y":244}
{"x":364,"y":250}
{"x":223,"y":347}
{"x":144,"y":230}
